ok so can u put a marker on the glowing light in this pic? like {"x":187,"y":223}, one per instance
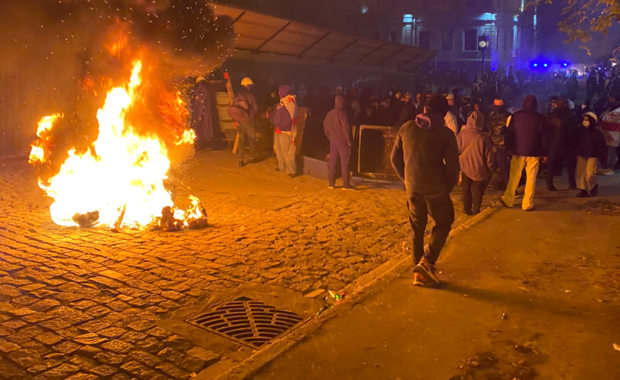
{"x":407,"y":18}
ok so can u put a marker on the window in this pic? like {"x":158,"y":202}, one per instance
{"x":470,"y":40}
{"x":447,"y":41}
{"x":425,"y":39}
{"x":407,"y":19}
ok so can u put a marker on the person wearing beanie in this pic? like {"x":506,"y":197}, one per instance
{"x":426,"y":158}
{"x":590,"y":148}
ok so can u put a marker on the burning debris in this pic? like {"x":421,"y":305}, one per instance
{"x":108,"y":159}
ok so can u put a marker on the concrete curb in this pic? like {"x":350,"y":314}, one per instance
{"x":383,"y":272}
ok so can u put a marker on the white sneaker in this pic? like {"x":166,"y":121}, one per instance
{"x":605,"y":172}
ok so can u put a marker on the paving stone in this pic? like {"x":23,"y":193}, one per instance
{"x":89,"y":338}
{"x":49,"y":338}
{"x":5,"y":331}
{"x":84,"y":363}
{"x":117,"y":346}
{"x":151,"y":345}
{"x":25,"y":300}
{"x":93,"y":326}
{"x":55,"y":324}
{"x":207,"y":356}
{"x":173,"y":295}
{"x":139,"y":370}
{"x":21,"y":312}
{"x":8,"y":346}
{"x":10,"y":370}
{"x":67,"y":347}
{"x":172,"y":371}
{"x":158,"y":332}
{"x":36,"y":347}
{"x":133,"y":337}
{"x":141,"y":325}
{"x":69,"y":333}
{"x":45,"y":365}
{"x":89,"y":351}
{"x":110,"y":358}
{"x":145,"y":358}
{"x":172,"y":355}
{"x":104,"y":370}
{"x":25,"y":358}
{"x":82,"y":376}
{"x":121,"y":376}
{"x":112,"y":332}
{"x":14,"y":324}
{"x":9,"y":291}
{"x":37,"y":317}
{"x":178,"y":343}
{"x":58,"y":373}
{"x":82,"y":305}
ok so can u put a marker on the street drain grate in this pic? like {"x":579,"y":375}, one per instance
{"x":251,"y":323}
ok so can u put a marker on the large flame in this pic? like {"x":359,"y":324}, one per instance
{"x":120,"y":180}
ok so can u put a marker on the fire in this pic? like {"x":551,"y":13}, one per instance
{"x":120,"y":180}
{"x":39,"y":147}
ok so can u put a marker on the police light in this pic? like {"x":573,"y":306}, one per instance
{"x":535,"y":64}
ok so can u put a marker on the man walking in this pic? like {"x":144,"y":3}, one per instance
{"x":426,"y":158}
{"x":558,"y":124}
{"x":338,"y":131}
{"x":525,"y":138}
{"x":243,"y":112}
{"x":477,"y":164}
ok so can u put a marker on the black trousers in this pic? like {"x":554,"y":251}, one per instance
{"x":473,"y":191}
{"x":554,"y":164}
{"x":440,"y":208}
{"x":571,"y":167}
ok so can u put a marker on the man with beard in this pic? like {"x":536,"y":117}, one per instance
{"x":498,"y":124}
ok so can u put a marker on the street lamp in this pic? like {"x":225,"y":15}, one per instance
{"x":483,"y":43}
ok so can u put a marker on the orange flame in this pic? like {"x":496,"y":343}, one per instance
{"x":39,"y":152}
{"x":119,"y":182}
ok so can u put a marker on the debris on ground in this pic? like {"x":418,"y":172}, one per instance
{"x":602,"y":207}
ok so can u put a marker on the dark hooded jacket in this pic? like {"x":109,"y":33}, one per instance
{"x":498,"y":124}
{"x":336,"y":124}
{"x":589,"y":142}
{"x":476,"y":151}
{"x":282,"y":119}
{"x":525,"y":135}
{"x":425,"y":156}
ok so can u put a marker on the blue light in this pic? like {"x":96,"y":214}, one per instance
{"x":536,"y":65}
{"x":544,"y":64}
{"x":408,"y":18}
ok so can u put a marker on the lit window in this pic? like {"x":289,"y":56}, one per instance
{"x":408,"y":18}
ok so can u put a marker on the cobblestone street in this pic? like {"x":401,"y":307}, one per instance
{"x":87,"y":304}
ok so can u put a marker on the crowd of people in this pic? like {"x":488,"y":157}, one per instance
{"x":447,"y":137}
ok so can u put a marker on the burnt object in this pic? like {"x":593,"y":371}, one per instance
{"x":86,"y":220}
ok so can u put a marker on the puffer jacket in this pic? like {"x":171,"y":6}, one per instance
{"x":526,"y":132}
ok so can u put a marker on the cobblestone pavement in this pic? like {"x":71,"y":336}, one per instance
{"x":84,"y":304}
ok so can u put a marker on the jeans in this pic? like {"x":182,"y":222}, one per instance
{"x":285,"y":152}
{"x":531,"y":165}
{"x":503,"y":162}
{"x":247,"y":134}
{"x":473,"y":191}
{"x":440,"y":208}
{"x":339,"y":149}
{"x":586,"y":172}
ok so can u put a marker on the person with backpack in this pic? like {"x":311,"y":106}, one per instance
{"x":243,"y":112}
{"x":477,"y":163}
{"x":285,"y":122}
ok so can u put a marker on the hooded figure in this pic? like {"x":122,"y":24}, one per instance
{"x":477,"y":163}
{"x":202,"y":102}
{"x":285,"y":122}
{"x":557,"y":127}
{"x":338,"y":131}
{"x":498,"y":125}
{"x":525,"y":138}
{"x":590,"y":148}
{"x":426,"y":158}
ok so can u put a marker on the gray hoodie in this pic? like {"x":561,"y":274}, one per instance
{"x":336,"y":124}
{"x":477,"y":161}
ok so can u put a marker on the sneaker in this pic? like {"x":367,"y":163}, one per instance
{"x":331,"y":187}
{"x":529,"y":209}
{"x":469,"y":213}
{"x":501,"y":201}
{"x":419,"y":279}
{"x":606,"y":172}
{"x":583,"y":194}
{"x":348,"y":188}
{"x":427,"y":269}
{"x":594,"y":191}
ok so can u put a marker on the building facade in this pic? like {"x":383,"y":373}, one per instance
{"x":455,"y":28}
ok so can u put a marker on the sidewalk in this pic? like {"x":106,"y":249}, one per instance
{"x":526,"y":295}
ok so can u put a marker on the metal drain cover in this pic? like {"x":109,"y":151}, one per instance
{"x":251,"y":323}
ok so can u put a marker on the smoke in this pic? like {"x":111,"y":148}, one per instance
{"x":56,"y":47}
